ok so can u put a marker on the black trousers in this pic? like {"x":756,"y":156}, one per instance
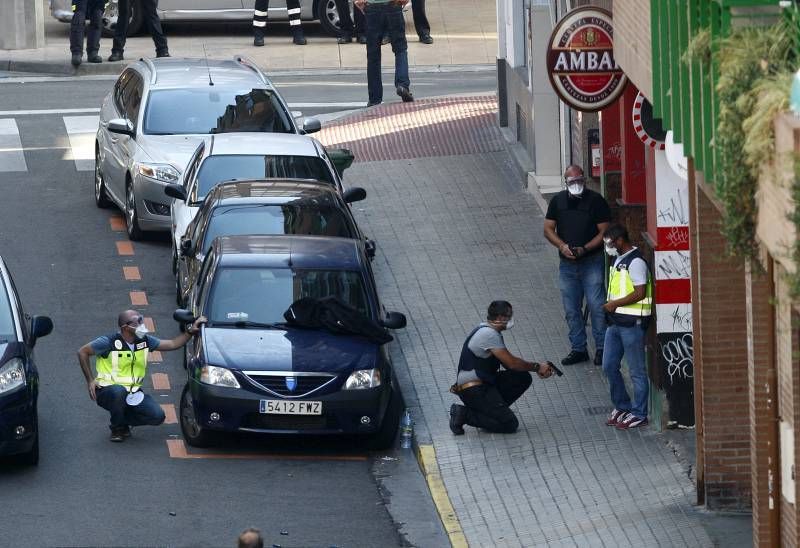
{"x":151,"y":23}
{"x":421,"y":24}
{"x":260,"y":15}
{"x":488,"y":405}
{"x":81,"y":11}
{"x":346,"y":22}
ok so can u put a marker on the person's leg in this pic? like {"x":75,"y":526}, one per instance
{"x":397,"y":35}
{"x":512,"y":384}
{"x":374,"y":26}
{"x":486,"y":409}
{"x":572,"y":300}
{"x":360,"y":24}
{"x":293,"y":10}
{"x":633,"y":343}
{"x":112,"y":399}
{"x":121,"y":30}
{"x":593,"y":278}
{"x":345,"y":21}
{"x":95,"y":28}
{"x":146,"y":413}
{"x":612,"y":361}
{"x":76,"y":30}
{"x":421,"y":24}
{"x":153,"y":25}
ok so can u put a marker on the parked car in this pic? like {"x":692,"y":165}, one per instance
{"x":154,"y":118}
{"x":214,"y":11}
{"x":249,"y":371}
{"x":19,"y":378}
{"x":243,"y":156}
{"x":283,"y":206}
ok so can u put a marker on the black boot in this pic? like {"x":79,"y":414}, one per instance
{"x":458,"y":416}
{"x":258,"y":38}
{"x":93,"y":57}
{"x":76,"y":59}
{"x":115,"y":56}
{"x":298,"y":37}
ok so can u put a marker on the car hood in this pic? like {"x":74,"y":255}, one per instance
{"x":301,"y":350}
{"x":171,"y":149}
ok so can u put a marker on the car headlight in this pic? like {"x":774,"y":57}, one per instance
{"x":218,"y":376}
{"x":363,"y":378}
{"x":161,"y":172}
{"x":12,"y":375}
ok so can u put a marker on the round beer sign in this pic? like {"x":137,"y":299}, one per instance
{"x":580,"y":60}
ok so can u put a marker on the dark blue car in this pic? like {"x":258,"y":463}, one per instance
{"x":251,"y":372}
{"x":19,"y":379}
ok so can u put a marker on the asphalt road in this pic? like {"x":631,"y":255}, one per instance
{"x":86,"y":491}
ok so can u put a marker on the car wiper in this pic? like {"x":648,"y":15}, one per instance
{"x":244,"y":324}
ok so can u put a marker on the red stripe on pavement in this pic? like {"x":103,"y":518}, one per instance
{"x":673,"y":291}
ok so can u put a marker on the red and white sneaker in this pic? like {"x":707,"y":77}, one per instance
{"x":631,"y":421}
{"x":615,"y":416}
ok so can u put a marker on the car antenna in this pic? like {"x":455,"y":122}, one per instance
{"x":205,"y":54}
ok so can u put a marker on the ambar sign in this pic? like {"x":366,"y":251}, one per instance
{"x":580,"y":60}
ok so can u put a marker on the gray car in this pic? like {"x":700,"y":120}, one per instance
{"x":223,"y":11}
{"x":157,"y":114}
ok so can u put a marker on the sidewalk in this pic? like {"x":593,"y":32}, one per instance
{"x":455,"y":230}
{"x":465,"y":33}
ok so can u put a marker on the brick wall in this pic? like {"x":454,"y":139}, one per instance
{"x":632,"y":43}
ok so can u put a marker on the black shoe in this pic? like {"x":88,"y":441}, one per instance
{"x":385,"y":40}
{"x":405,"y":94}
{"x":372,"y":104}
{"x":126,"y":431}
{"x":118,"y":435}
{"x":344,"y":39}
{"x":361,"y":38}
{"x":598,"y":357}
{"x":94,"y":58}
{"x":76,"y":59}
{"x":426,"y":38}
{"x":458,"y":416}
{"x":298,"y":37}
{"x":115,"y":56}
{"x":163,"y":54}
{"x":575,"y":357}
{"x":258,"y":40}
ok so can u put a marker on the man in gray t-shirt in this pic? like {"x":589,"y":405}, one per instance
{"x":490,"y":378}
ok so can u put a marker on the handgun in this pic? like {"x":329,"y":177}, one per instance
{"x":554,"y":368}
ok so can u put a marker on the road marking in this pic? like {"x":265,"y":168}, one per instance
{"x":138,"y":298}
{"x":169,"y":411}
{"x":125,"y":248}
{"x":160,"y":381}
{"x":48,"y":111}
{"x":82,"y":131}
{"x":177,"y":450}
{"x":131,"y":273}
{"x":427,"y":458}
{"x":154,"y":356}
{"x":117,"y":223}
{"x":12,"y":156}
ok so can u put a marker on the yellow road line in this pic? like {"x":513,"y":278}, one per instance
{"x":427,"y":456}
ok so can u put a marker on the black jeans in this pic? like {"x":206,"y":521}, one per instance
{"x":81,"y":11}
{"x":346,"y":22}
{"x":151,"y":22}
{"x":488,"y":405}
{"x":421,"y":24}
{"x":385,"y":20}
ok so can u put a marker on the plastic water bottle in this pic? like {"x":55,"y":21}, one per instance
{"x":406,"y":430}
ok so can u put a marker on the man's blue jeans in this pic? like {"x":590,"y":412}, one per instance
{"x":385,"y":20}
{"x":627,"y":341}
{"x":579,"y":279}
{"x":112,"y":399}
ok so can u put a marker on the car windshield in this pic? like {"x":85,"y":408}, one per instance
{"x":212,"y":110}
{"x":262,"y":295}
{"x":223,"y":167}
{"x":7,"y":331}
{"x":296,"y":217}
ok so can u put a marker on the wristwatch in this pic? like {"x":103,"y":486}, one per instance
{"x":536,"y":367}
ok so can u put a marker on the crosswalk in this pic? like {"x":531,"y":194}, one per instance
{"x":72,"y":138}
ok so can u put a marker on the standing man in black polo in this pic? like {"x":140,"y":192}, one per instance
{"x":151,"y":22}
{"x":575,"y":221}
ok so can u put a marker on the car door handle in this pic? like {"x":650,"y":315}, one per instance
{"x":113,"y":140}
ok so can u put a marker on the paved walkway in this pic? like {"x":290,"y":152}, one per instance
{"x":465,"y":33}
{"x":455,"y":232}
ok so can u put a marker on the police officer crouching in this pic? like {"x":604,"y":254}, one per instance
{"x":121,"y":367}
{"x":486,"y":390}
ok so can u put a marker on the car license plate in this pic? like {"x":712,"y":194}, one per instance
{"x":281,"y":407}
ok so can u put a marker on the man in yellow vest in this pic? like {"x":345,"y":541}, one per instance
{"x":628,"y":307}
{"x":121,"y":362}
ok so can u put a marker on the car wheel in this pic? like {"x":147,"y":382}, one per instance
{"x":131,"y":218}
{"x":328,"y":16}
{"x":110,"y":16}
{"x":194,"y":434}
{"x":100,"y":195}
{"x":384,"y":438}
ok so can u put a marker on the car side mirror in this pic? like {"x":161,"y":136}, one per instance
{"x":175,"y":191}
{"x":355,"y":194}
{"x":121,"y":126}
{"x":394,"y":320}
{"x":41,"y":326}
{"x":183,"y":316}
{"x":311,"y":125}
{"x":187,"y":248}
{"x":341,"y":158}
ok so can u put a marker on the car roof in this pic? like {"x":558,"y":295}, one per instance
{"x":272,"y":191}
{"x":177,"y":72}
{"x":285,"y":251}
{"x":256,"y":143}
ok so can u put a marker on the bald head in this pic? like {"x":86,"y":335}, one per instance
{"x":573,"y":171}
{"x":251,"y":538}
{"x":128,"y":317}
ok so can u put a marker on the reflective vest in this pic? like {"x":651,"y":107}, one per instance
{"x":122,"y":365}
{"x":620,"y":285}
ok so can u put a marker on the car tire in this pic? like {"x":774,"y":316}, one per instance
{"x":31,"y":458}
{"x":194,"y":434}
{"x":100,"y":195}
{"x":328,"y":16}
{"x":110,"y":19}
{"x":131,"y":217}
{"x":385,"y":437}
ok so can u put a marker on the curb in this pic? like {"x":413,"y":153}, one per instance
{"x":426,"y":455}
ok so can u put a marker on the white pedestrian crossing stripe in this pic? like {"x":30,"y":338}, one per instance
{"x":81,"y":131}
{"x":12,"y":157}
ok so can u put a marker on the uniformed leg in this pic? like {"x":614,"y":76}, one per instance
{"x":487,"y":409}
{"x":260,"y":21}
{"x":153,"y":25}
{"x":293,"y":10}
{"x":146,"y":413}
{"x":121,"y":29}
{"x":112,"y":399}
{"x":360,"y":24}
{"x":76,"y":30}
{"x":345,"y":21}
{"x":95,"y":14}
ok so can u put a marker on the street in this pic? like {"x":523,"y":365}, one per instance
{"x":72,"y":261}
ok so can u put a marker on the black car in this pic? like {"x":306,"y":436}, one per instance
{"x":250,"y":371}
{"x":268,"y":207}
{"x":19,"y":379}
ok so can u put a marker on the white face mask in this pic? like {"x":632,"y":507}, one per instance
{"x":141,"y":330}
{"x":510,"y":323}
{"x":611,"y":251}
{"x":575,"y":189}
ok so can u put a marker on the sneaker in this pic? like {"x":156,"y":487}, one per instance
{"x":686,"y":427}
{"x":118,"y":434}
{"x":615,"y":416}
{"x":458,"y":415}
{"x":575,"y":357}
{"x":115,"y":56}
{"x":405,"y":94}
{"x":76,"y":59}
{"x":631,"y":421}
{"x":598,"y":357}
{"x":672,"y":425}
